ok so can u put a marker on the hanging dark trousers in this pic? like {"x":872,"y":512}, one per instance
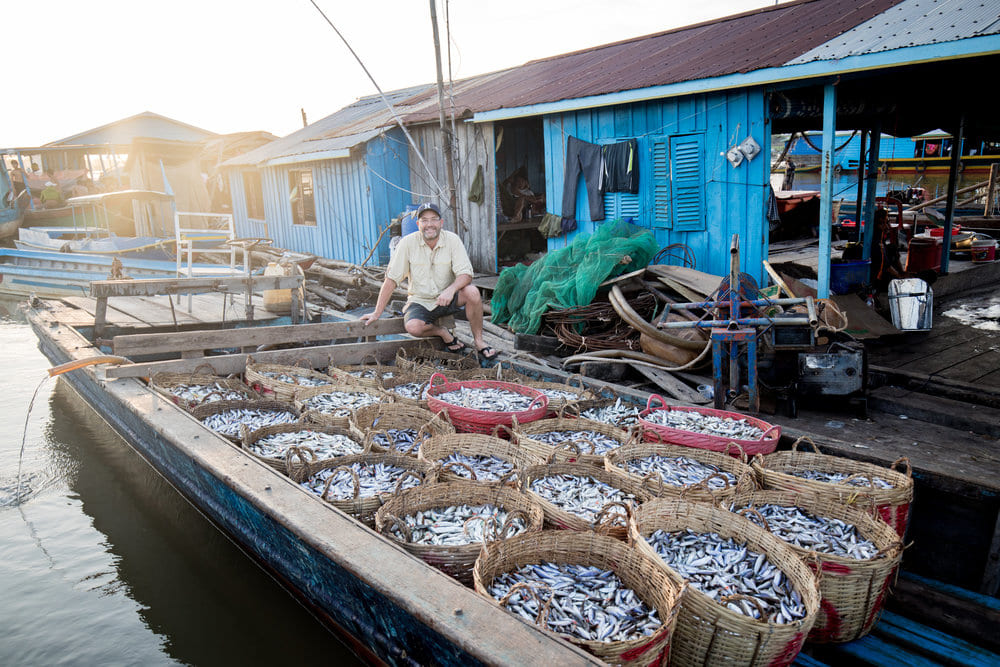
{"x":585,"y":157}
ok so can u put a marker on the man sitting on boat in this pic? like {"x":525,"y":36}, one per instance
{"x":51,"y":195}
{"x":440,"y":283}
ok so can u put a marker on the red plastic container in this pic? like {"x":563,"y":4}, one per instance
{"x":468,"y":420}
{"x":938,"y":232}
{"x":924,"y":253}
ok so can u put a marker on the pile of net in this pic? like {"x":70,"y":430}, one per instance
{"x":568,"y":277}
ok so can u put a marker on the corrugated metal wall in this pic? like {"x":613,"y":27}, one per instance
{"x":734,"y":198}
{"x":475,"y":148}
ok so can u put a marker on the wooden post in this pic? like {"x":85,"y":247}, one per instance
{"x":991,"y":190}
{"x":100,"y":316}
{"x":826,"y":187}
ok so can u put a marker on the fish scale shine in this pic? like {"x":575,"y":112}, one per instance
{"x":815,"y":533}
{"x":323,"y":445}
{"x":228,"y":422}
{"x":492,"y":399}
{"x":374,"y":479}
{"x":459,"y":525}
{"x":578,"y":495}
{"x":679,"y":471}
{"x":695,"y":422}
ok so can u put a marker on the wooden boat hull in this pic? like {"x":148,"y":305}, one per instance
{"x":10,"y":222}
{"x":389,"y":606}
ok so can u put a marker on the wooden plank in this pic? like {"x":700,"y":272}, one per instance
{"x":671,"y":385}
{"x":871,"y":650}
{"x":114,"y":316}
{"x":155,"y":286}
{"x":991,"y":572}
{"x":157,"y":343}
{"x":977,"y":364}
{"x":926,"y":640}
{"x":152,"y":312}
{"x":318,"y":357}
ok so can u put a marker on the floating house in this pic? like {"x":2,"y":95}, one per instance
{"x":700,"y":102}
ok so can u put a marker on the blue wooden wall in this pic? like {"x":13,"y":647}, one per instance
{"x":734,"y":198}
{"x":355,"y":198}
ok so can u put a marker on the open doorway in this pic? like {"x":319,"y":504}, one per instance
{"x":520,"y":187}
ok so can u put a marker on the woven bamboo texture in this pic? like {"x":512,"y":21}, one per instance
{"x":468,"y":420}
{"x":328,"y":418}
{"x":717,"y":443}
{"x":429,"y":360}
{"x":402,"y":377}
{"x":270,"y":387}
{"x":457,"y":560}
{"x":853,"y":591}
{"x":557,"y":403}
{"x":611,"y":523}
{"x":737,"y":467}
{"x":709,"y":633}
{"x":577,"y":409}
{"x":165,"y":382}
{"x":588,"y":549}
{"x":440,"y":447}
{"x":583,"y":449}
{"x":366,"y":422}
{"x":363,"y":508}
{"x":366,"y":374}
{"x":296,"y":455}
{"x":774,"y":471}
{"x":206,"y":410}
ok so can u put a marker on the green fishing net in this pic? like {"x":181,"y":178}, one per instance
{"x":568,"y":277}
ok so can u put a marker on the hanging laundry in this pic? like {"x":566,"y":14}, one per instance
{"x":621,"y":167}
{"x":476,"y":190}
{"x":584,"y":157}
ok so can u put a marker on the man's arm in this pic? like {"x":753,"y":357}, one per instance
{"x":462,"y":280}
{"x":384,"y":294}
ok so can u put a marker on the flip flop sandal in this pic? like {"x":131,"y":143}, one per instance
{"x":455,"y":346}
{"x":483,"y":353}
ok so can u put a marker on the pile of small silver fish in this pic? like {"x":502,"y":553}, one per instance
{"x":584,"y":602}
{"x":373,"y":478}
{"x":618,"y":414}
{"x":492,"y":399}
{"x":679,"y":470}
{"x":203,"y":393}
{"x":720,"y":567}
{"x":371,"y":374}
{"x":403,"y":440}
{"x":487,"y":468}
{"x":323,"y":445}
{"x":839,"y":478}
{"x":823,"y":534}
{"x":460,"y":524}
{"x":559,"y":394}
{"x":602,"y":443}
{"x":413,"y":390}
{"x":339,"y":403}
{"x":294,"y":378}
{"x":582,"y":496}
{"x":228,"y":422}
{"x":689,"y":420}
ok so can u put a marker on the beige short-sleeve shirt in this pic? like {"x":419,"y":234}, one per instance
{"x":430,"y":271}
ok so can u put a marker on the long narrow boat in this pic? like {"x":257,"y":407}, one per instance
{"x":388,"y":605}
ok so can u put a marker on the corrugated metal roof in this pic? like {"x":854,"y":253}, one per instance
{"x":912,"y":23}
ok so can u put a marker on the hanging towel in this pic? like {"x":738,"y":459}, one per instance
{"x":550,"y":226}
{"x":476,"y":191}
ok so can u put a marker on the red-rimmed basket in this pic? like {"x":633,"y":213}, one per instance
{"x":468,"y":420}
{"x":717,"y":443}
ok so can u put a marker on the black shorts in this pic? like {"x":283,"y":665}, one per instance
{"x":414,"y":311}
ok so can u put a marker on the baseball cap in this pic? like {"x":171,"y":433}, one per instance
{"x":427,"y":206}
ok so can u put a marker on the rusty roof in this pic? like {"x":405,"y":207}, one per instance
{"x":740,"y":43}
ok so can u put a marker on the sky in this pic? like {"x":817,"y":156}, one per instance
{"x":245,"y":65}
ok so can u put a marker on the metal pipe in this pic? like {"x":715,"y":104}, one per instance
{"x":784,"y":301}
{"x":743,"y":322}
{"x":811,"y":310}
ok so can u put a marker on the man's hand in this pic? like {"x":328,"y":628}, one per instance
{"x":445,"y":297}
{"x":368,"y":318}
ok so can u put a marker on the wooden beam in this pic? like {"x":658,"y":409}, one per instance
{"x":672,"y":386}
{"x":159,"y":343}
{"x":317,"y":357}
{"x":152,"y":287}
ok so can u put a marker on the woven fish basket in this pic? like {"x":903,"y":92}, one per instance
{"x":579,"y":409}
{"x":588,"y":549}
{"x":577,"y":451}
{"x":360,"y":507}
{"x":401,"y":379}
{"x":426,"y":359}
{"x":300,"y":454}
{"x":440,"y":447}
{"x":453,"y":560}
{"x":339,"y":417}
{"x":372,"y":420}
{"x":778,"y":471}
{"x":611,"y":520}
{"x":709,"y":633}
{"x":853,"y":591}
{"x":766,"y":444}
{"x":468,"y":420}
{"x":366,"y":374}
{"x":737,"y":467}
{"x":269,"y":387}
{"x":169,"y":383}
{"x":558,"y":402}
{"x":207,"y":410}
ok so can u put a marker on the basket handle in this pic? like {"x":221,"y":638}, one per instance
{"x":774,"y":427}
{"x":603,"y":522}
{"x":487,"y":521}
{"x":390,"y":521}
{"x":503,"y":427}
{"x":740,"y":596}
{"x":508,"y":477}
{"x":399,"y":482}
{"x":759,"y":460}
{"x":543,"y":606}
{"x":460,"y":464}
{"x":649,"y":479}
{"x":902,"y":460}
{"x":298,"y":362}
{"x":805,"y":438}
{"x":207,"y":365}
{"x":747,"y":512}
{"x":579,"y":381}
{"x":305,"y":455}
{"x":354,"y":478}
{"x":652,"y":434}
{"x":656,"y":397}
{"x":860,"y":475}
{"x":244,"y":434}
{"x":742,"y":452}
{"x":509,"y":522}
{"x":704,"y":483}
{"x":541,"y":399}
{"x":437,"y":379}
{"x":372,"y":434}
{"x":570,"y":445}
{"x":572,"y":406}
{"x":586,"y":441}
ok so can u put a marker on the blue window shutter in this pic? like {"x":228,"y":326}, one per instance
{"x":661,"y":218}
{"x":686,"y":169}
{"x":621,"y":205}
